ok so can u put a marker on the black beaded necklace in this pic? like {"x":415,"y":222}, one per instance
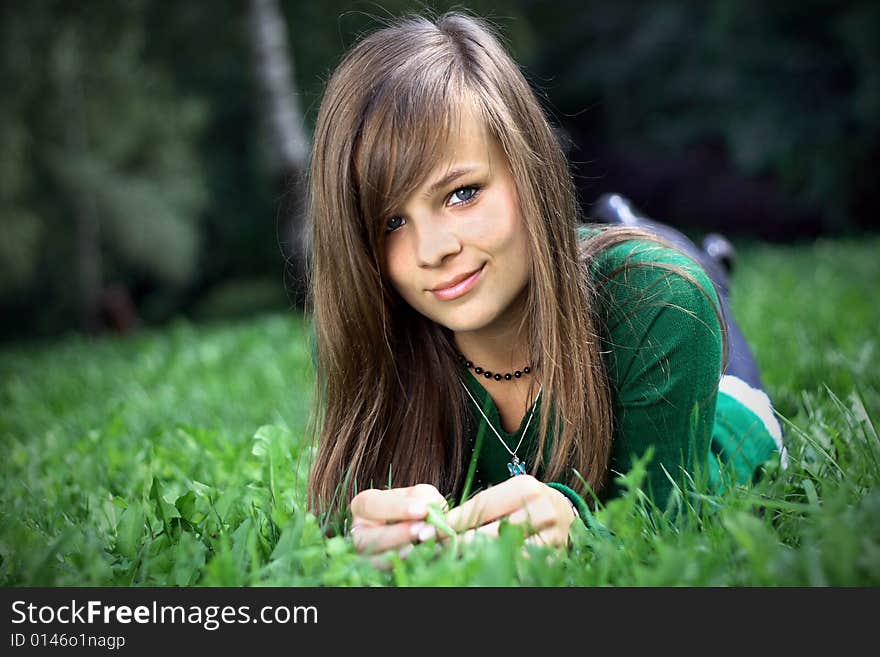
{"x":494,"y":375}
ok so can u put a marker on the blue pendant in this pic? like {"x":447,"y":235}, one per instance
{"x":517,"y":467}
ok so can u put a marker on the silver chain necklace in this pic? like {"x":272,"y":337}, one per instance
{"x":515,"y":467}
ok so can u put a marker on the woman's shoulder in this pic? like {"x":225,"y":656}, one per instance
{"x":621,"y":248}
{"x":634,"y":269}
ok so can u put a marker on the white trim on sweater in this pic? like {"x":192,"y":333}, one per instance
{"x":758,"y":403}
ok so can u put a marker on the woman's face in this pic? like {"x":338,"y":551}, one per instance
{"x":457,"y":250}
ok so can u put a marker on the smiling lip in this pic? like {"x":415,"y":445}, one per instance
{"x":459,"y":286}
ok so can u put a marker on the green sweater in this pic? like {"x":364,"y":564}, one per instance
{"x":663,"y":348}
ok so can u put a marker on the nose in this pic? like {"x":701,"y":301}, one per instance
{"x":435,"y":241}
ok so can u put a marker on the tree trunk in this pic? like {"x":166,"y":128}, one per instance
{"x":288,"y":142}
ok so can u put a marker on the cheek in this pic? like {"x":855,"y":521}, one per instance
{"x":397,"y":267}
{"x":495,"y":228}
{"x":508,"y":217}
{"x":513,"y":231}
{"x":522,"y":242}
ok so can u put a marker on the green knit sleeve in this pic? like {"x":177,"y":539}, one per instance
{"x":663,"y":350}
{"x":576,"y":500}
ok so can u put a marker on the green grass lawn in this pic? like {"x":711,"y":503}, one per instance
{"x":176,"y":457}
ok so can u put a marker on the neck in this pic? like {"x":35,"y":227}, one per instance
{"x":501,"y":347}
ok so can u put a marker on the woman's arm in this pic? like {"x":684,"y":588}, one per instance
{"x":664,"y":352}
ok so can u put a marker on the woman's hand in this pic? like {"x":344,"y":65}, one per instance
{"x":545,"y":513}
{"x":391,"y":519}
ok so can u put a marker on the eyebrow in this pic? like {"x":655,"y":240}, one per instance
{"x":453,"y":175}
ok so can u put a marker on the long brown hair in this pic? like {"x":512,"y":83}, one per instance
{"x":391,"y":408}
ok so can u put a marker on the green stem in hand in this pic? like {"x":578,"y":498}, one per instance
{"x":437,"y":518}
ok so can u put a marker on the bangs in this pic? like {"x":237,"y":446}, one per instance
{"x":405,"y":133}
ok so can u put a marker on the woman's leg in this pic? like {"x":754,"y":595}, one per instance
{"x":615,"y":209}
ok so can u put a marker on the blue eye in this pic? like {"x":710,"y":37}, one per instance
{"x":393,"y":224}
{"x":464,"y":195}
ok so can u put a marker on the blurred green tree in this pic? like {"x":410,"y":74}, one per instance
{"x":101,"y":179}
{"x":791,"y":90}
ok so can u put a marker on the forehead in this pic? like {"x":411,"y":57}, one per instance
{"x":468,"y":143}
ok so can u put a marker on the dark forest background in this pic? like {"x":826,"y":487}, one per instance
{"x":150,"y":152}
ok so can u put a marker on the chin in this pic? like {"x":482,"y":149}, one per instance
{"x":464,"y":322}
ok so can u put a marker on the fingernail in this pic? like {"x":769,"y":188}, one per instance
{"x":427,"y":533}
{"x":418,"y":510}
{"x":417,"y":529}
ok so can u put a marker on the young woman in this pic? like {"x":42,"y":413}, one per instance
{"x":475,"y":341}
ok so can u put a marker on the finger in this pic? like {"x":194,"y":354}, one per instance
{"x":538,"y":513}
{"x":541,"y":538}
{"x":535,"y":515}
{"x":385,"y":561}
{"x":494,"y":503}
{"x":548,"y":537}
{"x":489,"y":530}
{"x":428,"y":494}
{"x":387,"y":505}
{"x":378,"y":538}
